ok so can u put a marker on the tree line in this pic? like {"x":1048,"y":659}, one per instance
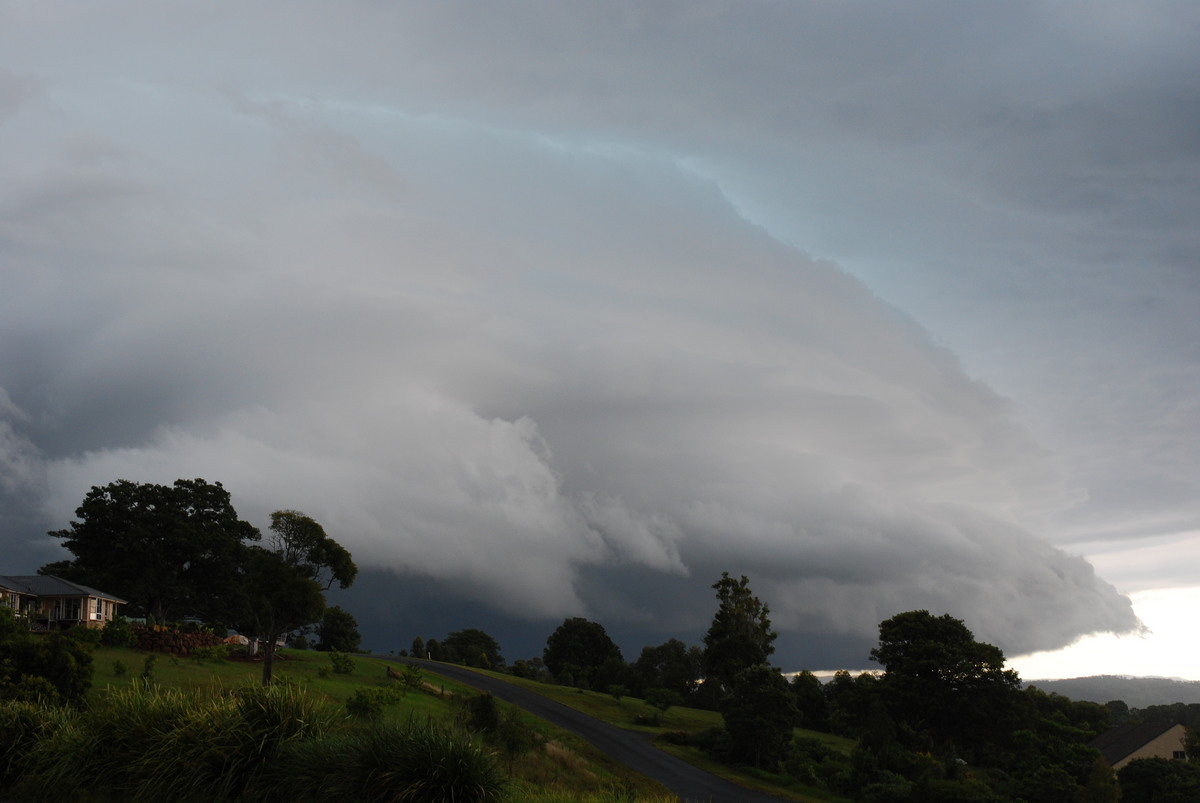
{"x":943,"y":719}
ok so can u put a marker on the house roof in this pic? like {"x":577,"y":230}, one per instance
{"x":1121,"y":742}
{"x":47,"y":585}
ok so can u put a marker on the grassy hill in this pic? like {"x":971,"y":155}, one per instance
{"x":557,"y":766}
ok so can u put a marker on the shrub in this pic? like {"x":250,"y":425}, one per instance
{"x":118,"y":633}
{"x":662,"y":699}
{"x":120,"y":668}
{"x":514,"y":735}
{"x":343,"y":664}
{"x":217,"y":652}
{"x":411,"y":678}
{"x":86,"y":636}
{"x":367,"y":703}
{"x":482,"y":714}
{"x":148,"y":668}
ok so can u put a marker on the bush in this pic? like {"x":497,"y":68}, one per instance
{"x":30,"y":665}
{"x":343,"y":664}
{"x":217,"y":652}
{"x":514,"y":735}
{"x":117,"y":632}
{"x":148,"y":667}
{"x":482,"y":714}
{"x":367,"y":703}
{"x":86,"y":636}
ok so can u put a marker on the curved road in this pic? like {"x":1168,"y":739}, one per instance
{"x":631,"y":748}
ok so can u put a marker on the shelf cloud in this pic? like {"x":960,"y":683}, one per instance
{"x":510,"y":305}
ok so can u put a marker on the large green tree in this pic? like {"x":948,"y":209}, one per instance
{"x":740,"y":635}
{"x":472,"y":647}
{"x":283,"y":588}
{"x":759,"y":714}
{"x":672,"y":665}
{"x":302,"y":543}
{"x":943,"y":686}
{"x":582,"y":649}
{"x":171,"y":551}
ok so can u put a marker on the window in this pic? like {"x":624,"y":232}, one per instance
{"x":1179,"y":755}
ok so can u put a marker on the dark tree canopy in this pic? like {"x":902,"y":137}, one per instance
{"x":740,"y":635}
{"x":943,"y":683}
{"x":303,"y":543}
{"x":671,"y":665}
{"x":759,"y":714}
{"x":171,"y":551}
{"x":581,"y":648}
{"x":282,"y":589}
{"x":338,"y":631}
{"x":472,"y":647}
{"x":275,"y":599}
{"x":811,"y":705}
{"x":1159,"y":780}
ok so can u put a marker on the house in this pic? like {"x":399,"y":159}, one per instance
{"x":51,"y":603}
{"x":1141,"y":740}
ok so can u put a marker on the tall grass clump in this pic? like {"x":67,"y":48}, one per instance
{"x":148,"y":744}
{"x":23,"y":725}
{"x":96,"y":749}
{"x":385,"y":763}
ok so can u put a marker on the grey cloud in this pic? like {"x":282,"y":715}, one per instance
{"x":485,"y":293}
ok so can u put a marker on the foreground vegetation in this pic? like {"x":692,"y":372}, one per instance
{"x":157,"y":727}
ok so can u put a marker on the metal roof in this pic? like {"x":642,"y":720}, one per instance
{"x":47,"y":585}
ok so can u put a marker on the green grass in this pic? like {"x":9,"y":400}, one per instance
{"x":626,"y":712}
{"x":562,"y":766}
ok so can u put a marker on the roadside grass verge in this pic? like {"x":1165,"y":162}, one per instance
{"x":635,"y":714}
{"x":544,"y":761}
{"x":556,"y":765}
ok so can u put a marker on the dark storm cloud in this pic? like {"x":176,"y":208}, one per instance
{"x":503,"y":297}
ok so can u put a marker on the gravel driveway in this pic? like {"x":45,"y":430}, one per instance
{"x":631,"y":748}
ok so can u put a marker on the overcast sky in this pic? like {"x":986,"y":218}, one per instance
{"x":552,"y":309}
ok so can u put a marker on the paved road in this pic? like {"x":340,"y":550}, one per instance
{"x":631,"y":748}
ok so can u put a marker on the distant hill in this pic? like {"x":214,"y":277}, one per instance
{"x":1136,"y":692}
